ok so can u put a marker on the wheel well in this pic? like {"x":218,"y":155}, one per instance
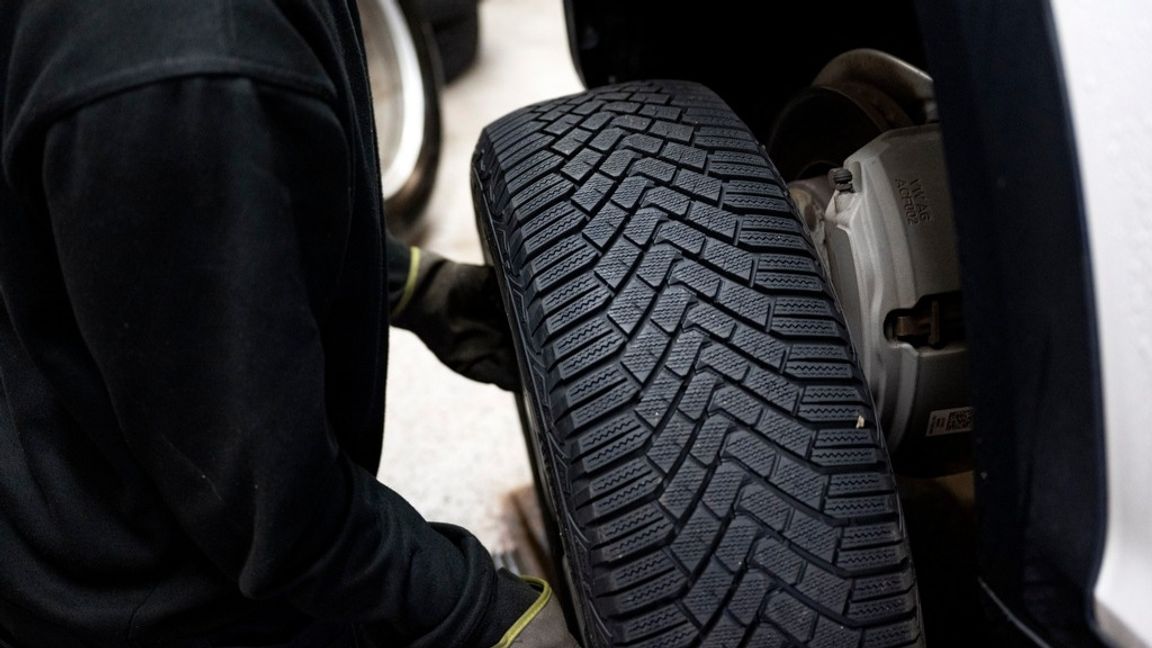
{"x":755,"y":63}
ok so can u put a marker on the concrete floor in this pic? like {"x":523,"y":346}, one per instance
{"x":453,"y":447}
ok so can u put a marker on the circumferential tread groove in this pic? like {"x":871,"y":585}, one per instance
{"x":705,"y":431}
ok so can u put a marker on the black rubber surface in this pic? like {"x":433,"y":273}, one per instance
{"x":707,"y":441}
{"x":458,"y":42}
{"x":439,"y":12}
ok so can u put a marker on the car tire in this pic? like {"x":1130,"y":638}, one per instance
{"x":439,"y":12}
{"x":705,"y":439}
{"x":406,"y":90}
{"x":457,"y":41}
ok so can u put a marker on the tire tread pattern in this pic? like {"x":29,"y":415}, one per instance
{"x":706,"y":434}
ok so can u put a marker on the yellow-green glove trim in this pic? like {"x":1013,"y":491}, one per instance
{"x":530,"y":614}
{"x":410,"y":283}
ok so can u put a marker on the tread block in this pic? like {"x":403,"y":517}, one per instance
{"x":625,"y":524}
{"x":593,"y":192}
{"x":636,"y":571}
{"x":859,"y":483}
{"x":869,"y":535}
{"x":881,"y":609}
{"x":736,"y":543}
{"x":785,"y":432}
{"x":755,"y":188}
{"x":578,"y":168}
{"x":599,"y":435}
{"x":617,"y":263}
{"x":749,"y":596}
{"x":733,"y":261}
{"x":684,"y":156}
{"x":577,"y":338}
{"x":669,"y":443}
{"x":650,"y":623}
{"x":699,"y":185}
{"x":706,"y":434}
{"x":871,"y":587}
{"x":563,"y":295}
{"x":604,"y":225}
{"x":897,"y":634}
{"x":778,"y":560}
{"x":630,"y":191}
{"x":829,"y":590}
{"x":683,"y":490}
{"x":694,"y":542}
{"x":791,"y":615}
{"x":611,"y":452}
{"x":833,"y":352}
{"x":642,"y":225}
{"x":681,"y":636}
{"x":829,"y":634}
{"x":766,"y":506}
{"x":769,"y":637}
{"x":662,"y":587}
{"x":799,"y":481}
{"x":709,"y":438}
{"x":707,"y":592}
{"x":865,"y":559}
{"x":631,"y":304}
{"x":645,"y":351}
{"x":587,"y":387}
{"x":652,"y":536}
{"x":540,"y":194}
{"x":753,"y":453}
{"x":590,"y":355}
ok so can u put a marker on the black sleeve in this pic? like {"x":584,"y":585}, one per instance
{"x":178,"y":210}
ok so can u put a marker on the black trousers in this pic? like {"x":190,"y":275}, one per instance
{"x":270,"y":630}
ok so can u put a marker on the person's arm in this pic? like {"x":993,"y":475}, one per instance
{"x":195,"y":221}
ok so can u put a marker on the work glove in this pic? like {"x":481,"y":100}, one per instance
{"x":542,"y":625}
{"x":455,"y":309}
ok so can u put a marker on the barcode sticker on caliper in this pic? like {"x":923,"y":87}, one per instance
{"x":950,"y":421}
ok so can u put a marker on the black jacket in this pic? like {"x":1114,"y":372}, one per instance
{"x":193,"y":333}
